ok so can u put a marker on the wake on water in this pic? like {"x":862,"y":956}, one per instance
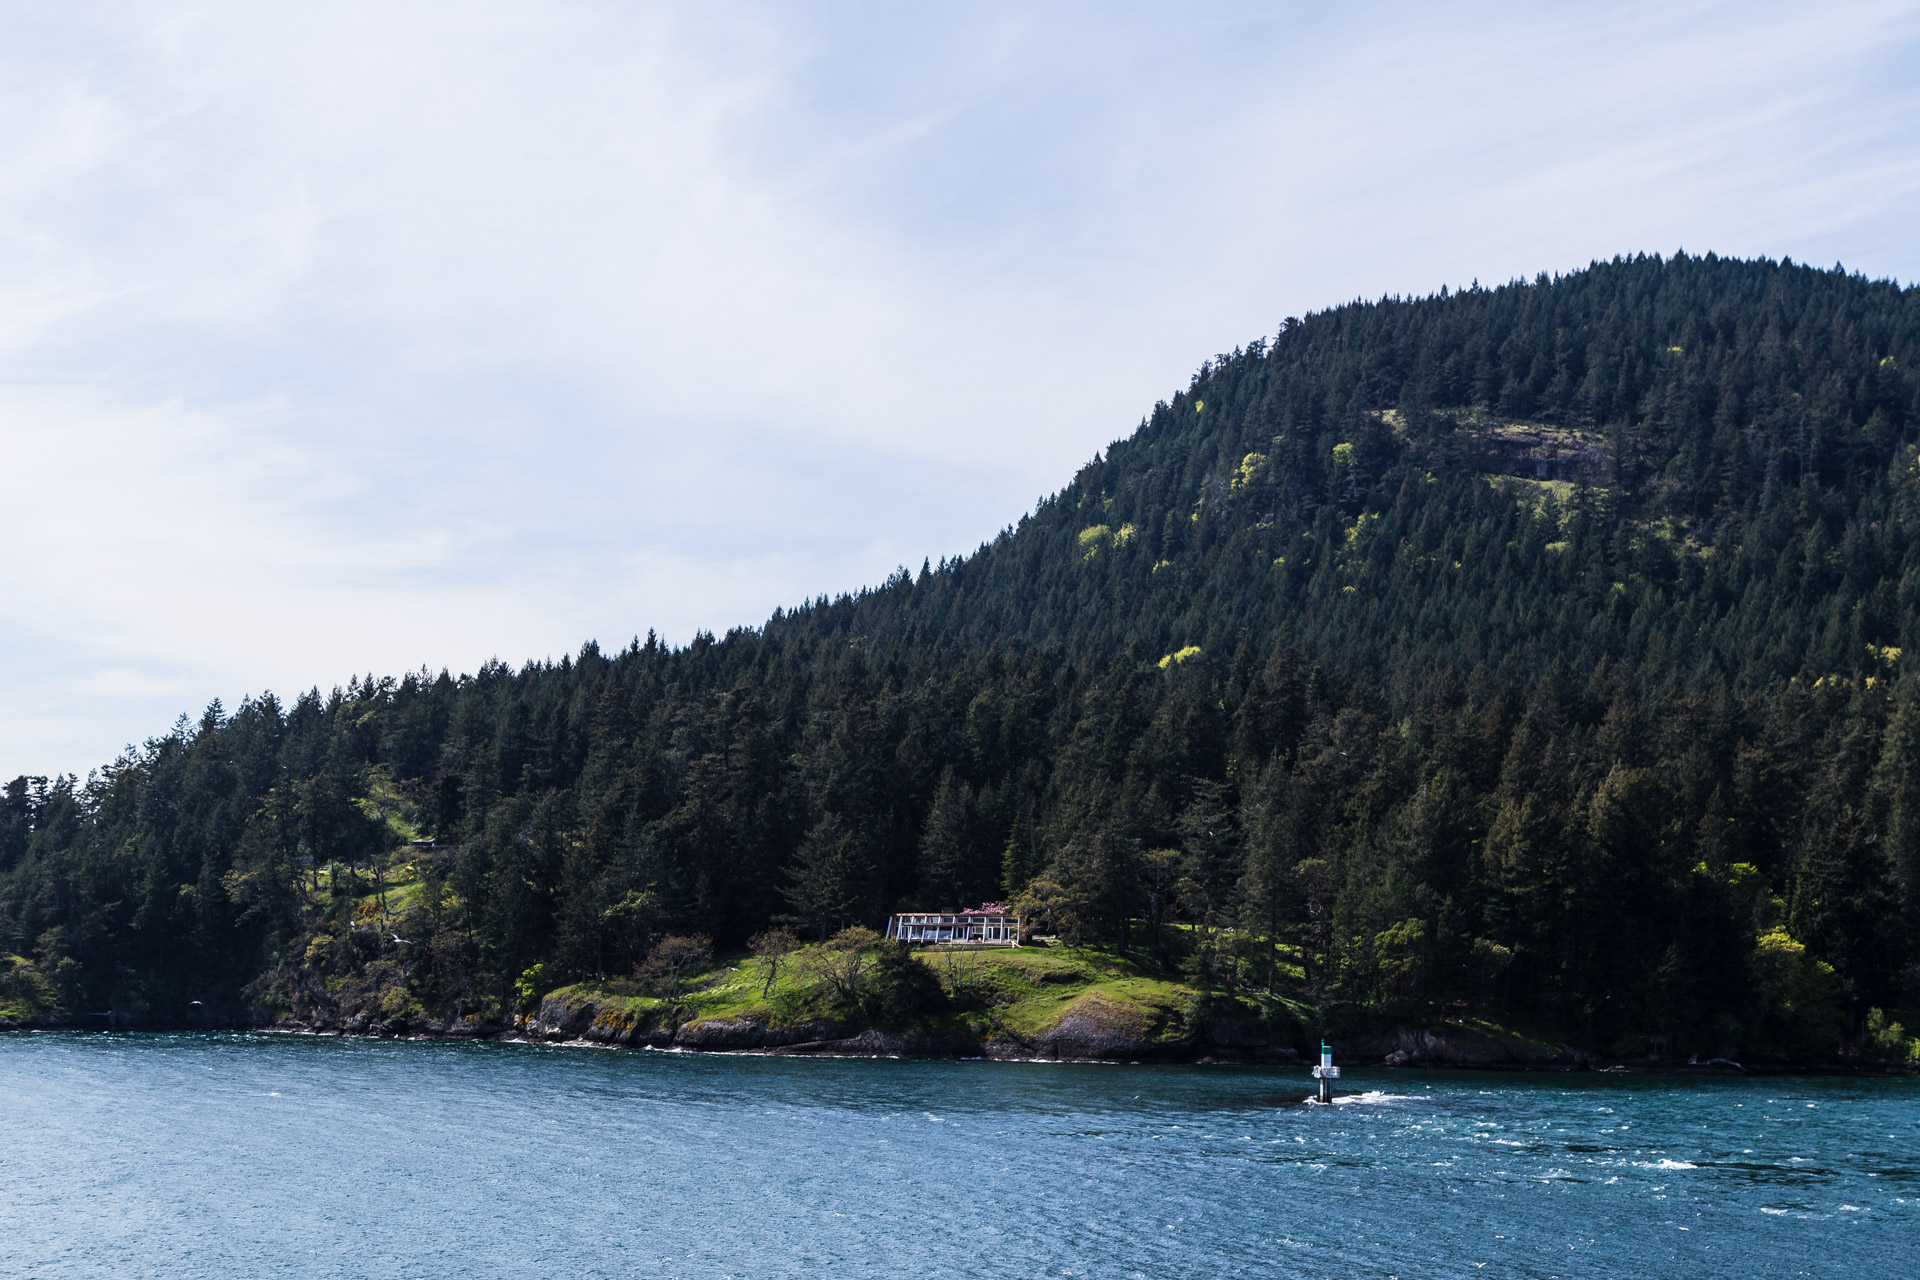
{"x":1371,"y":1097}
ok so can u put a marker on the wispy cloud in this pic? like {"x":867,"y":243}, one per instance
{"x":356,"y":338}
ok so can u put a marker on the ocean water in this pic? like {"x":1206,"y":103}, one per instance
{"x":254,"y":1155}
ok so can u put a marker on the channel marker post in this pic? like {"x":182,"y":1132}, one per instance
{"x":1326,"y":1073}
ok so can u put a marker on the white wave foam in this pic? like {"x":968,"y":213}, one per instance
{"x":1372,"y":1097}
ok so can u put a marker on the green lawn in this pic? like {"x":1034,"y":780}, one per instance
{"x":1003,"y":993}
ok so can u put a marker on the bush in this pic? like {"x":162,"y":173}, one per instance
{"x":840,"y":965}
{"x":1888,"y":1041}
{"x":533,"y":984}
{"x":1799,"y":996}
{"x":25,"y":991}
{"x":770,"y":948}
{"x":862,"y":975}
{"x":899,"y":989}
{"x":671,"y":959}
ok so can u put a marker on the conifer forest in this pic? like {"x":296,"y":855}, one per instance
{"x":1534,"y":653}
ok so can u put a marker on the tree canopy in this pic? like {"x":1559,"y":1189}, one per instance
{"x":1538,"y":651}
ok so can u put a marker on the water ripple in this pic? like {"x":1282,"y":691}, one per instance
{"x":265,"y":1155}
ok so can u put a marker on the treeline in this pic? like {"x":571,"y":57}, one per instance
{"x":1533,"y":652}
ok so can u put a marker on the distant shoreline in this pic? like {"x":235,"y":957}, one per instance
{"x":908,"y":1046}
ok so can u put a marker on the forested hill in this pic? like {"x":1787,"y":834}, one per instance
{"x":1535,"y":652}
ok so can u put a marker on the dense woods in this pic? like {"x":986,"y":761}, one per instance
{"x":1535,"y":652}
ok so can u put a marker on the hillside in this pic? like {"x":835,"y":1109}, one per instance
{"x":1535,"y":654}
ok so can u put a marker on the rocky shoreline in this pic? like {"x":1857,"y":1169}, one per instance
{"x":1078,"y":1038}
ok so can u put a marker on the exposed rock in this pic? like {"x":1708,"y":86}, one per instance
{"x":1082,"y":1036}
{"x":818,"y":1032}
{"x":721,"y":1033}
{"x":888,"y":1044}
{"x":1458,"y":1045}
{"x":557,"y":1021}
{"x":1097,"y":1029}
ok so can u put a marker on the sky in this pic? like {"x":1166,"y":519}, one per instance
{"x":362,"y":338}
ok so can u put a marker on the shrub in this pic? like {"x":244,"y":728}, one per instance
{"x":862,"y":975}
{"x":899,"y":989}
{"x":532,"y":984}
{"x":1799,"y":995}
{"x":840,"y":966}
{"x":770,"y":948}
{"x":25,"y":991}
{"x":1888,"y":1040}
{"x":667,"y":964}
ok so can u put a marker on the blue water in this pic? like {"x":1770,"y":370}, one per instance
{"x":251,"y":1155}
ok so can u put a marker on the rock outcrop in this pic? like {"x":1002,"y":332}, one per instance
{"x":1459,"y":1045}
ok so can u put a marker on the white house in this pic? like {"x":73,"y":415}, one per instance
{"x":987,"y":925}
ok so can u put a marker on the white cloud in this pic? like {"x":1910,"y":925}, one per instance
{"x":359,"y":337}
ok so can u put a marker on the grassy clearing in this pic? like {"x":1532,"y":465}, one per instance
{"x":1010,"y":993}
{"x":1025,"y":992}
{"x":729,"y":989}
{"x":1533,"y":493}
{"x":397,"y":882}
{"x":401,"y":887}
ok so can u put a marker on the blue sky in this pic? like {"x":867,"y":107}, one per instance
{"x":362,"y":337}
